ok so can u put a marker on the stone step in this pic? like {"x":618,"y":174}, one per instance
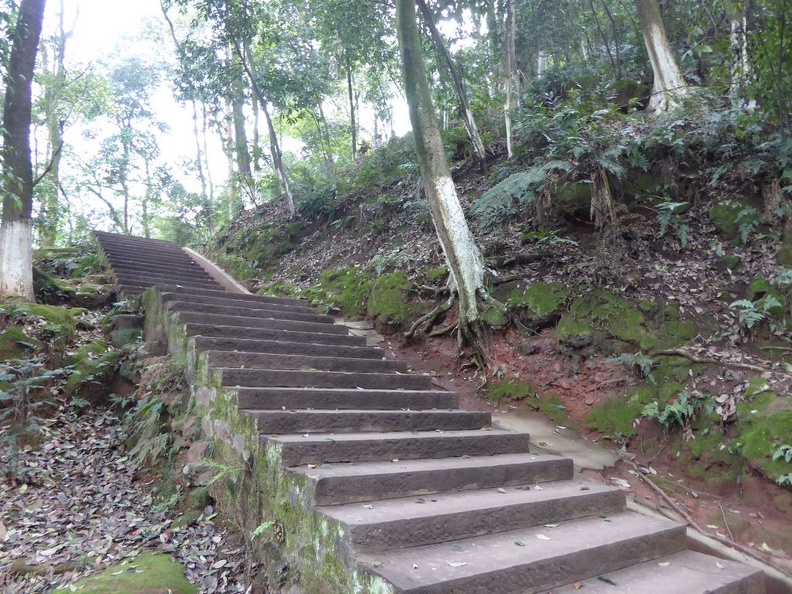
{"x":106,"y":236}
{"x":248,"y":312}
{"x":123,"y":256}
{"x":343,"y":399}
{"x":242,"y":360}
{"x":358,"y":421}
{"x":294,"y":306}
{"x":186,"y":271}
{"x":325,"y":448}
{"x":286,"y":347}
{"x":686,"y":572}
{"x":367,"y":481}
{"x":220,"y":292}
{"x":188,"y":317}
{"x":529,"y":560}
{"x":289,"y":378}
{"x":158,"y":279}
{"x":397,"y":523}
{"x":225,"y":333}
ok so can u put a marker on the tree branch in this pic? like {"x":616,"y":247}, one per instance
{"x":49,"y":166}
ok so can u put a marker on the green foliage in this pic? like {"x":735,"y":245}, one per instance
{"x":637,"y":360}
{"x":521,"y":188}
{"x":783,"y":452}
{"x":680,"y":412}
{"x":747,"y":219}
{"x":751,"y":313}
{"x":669,"y":215}
{"x":23,"y":392}
{"x":148,"y":427}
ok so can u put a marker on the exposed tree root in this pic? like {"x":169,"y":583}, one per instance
{"x":500,"y":280}
{"x":426,"y":321}
{"x":710,"y":360}
{"x":516,"y":259}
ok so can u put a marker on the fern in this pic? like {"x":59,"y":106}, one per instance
{"x":521,"y":187}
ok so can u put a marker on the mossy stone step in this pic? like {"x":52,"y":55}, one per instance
{"x":287,"y":347}
{"x":293,"y":306}
{"x":287,"y":378}
{"x":156,"y":279}
{"x":189,"y":317}
{"x":249,"y":312}
{"x":244,"y":360}
{"x":226,"y":333}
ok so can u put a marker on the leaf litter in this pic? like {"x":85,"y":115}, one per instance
{"x":80,"y":509}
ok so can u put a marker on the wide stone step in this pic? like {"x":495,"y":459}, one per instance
{"x":686,"y":572}
{"x":189,"y":317}
{"x":175,"y":260}
{"x":294,"y":306}
{"x":323,"y":448}
{"x":285,"y":347}
{"x":220,"y":292}
{"x":288,"y":378}
{"x":529,"y":560}
{"x":186,"y":271}
{"x":411,"y":521}
{"x":367,"y":481}
{"x":248,"y":312}
{"x":302,"y":362}
{"x":159,"y":279}
{"x":358,"y":421}
{"x":262,"y":398}
{"x":223,"y":332}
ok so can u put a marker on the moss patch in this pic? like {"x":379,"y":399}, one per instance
{"x":14,"y":343}
{"x":346,"y":290}
{"x":542,"y":298}
{"x":151,"y":573}
{"x":388,"y":303}
{"x":503,"y":391}
{"x":94,"y":364}
{"x":765,"y":423}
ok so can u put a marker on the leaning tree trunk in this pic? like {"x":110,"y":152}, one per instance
{"x":669,"y":84}
{"x":464,"y":259}
{"x":459,"y":85}
{"x":16,"y":229}
{"x":512,"y":82}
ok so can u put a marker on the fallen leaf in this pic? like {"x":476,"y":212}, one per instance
{"x":577,"y":585}
{"x":501,"y":490}
{"x":519,"y":543}
{"x":551,"y":525}
{"x":543,"y":537}
{"x":456,"y":563}
{"x":607,"y":580}
{"x":664,"y":564}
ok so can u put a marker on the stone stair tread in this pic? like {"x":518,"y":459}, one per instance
{"x":687,"y":572}
{"x":412,"y":521}
{"x":245,"y":360}
{"x":363,"y":481}
{"x":296,"y":306}
{"x":211,"y":330}
{"x":248,"y":312}
{"x":233,"y":377}
{"x":248,"y":322}
{"x":344,"y":398}
{"x":395,"y":445}
{"x":259,"y":346}
{"x":523,"y":561}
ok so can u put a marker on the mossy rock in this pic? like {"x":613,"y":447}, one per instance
{"x":729,"y":262}
{"x":724,"y":217}
{"x":347,"y":290}
{"x":388,"y":304}
{"x":495,"y":316}
{"x":14,"y":343}
{"x":542,"y":298}
{"x":602,"y":312}
{"x":511,"y":389}
{"x":91,"y":296}
{"x":261,"y":247}
{"x":784,"y":255}
{"x":437,"y":276}
{"x":574,"y":333}
{"x":150,"y":573}
{"x":60,"y":320}
{"x":765,"y":423}
{"x":574,"y":198}
{"x":94,"y":364}
{"x":760,"y":287}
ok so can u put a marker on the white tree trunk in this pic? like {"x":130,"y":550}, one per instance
{"x":464,"y":259}
{"x":669,"y":84}
{"x":16,"y":260}
{"x":741,"y":68}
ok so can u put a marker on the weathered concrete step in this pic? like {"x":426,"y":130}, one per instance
{"x":224,"y":333}
{"x":355,"y":421}
{"x":294,"y":306}
{"x":220,"y":292}
{"x":118,"y":237}
{"x":160,"y":279}
{"x":397,"y":523}
{"x":248,"y":312}
{"x":259,"y":398}
{"x":131,"y":256}
{"x":529,"y":560}
{"x":323,"y":448}
{"x":186,"y":271}
{"x":366,"y":481}
{"x":302,"y":362}
{"x":189,"y":317}
{"x":288,"y":378}
{"x":686,"y":572}
{"x":285,"y":347}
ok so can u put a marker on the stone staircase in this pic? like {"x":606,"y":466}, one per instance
{"x":426,"y":498}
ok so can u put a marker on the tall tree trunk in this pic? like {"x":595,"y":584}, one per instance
{"x":352,"y":110}
{"x":256,"y":138}
{"x":464,"y":259}
{"x":207,"y":206}
{"x":240,"y":137}
{"x":235,"y":204}
{"x":669,"y":84}
{"x":50,"y":206}
{"x":512,"y":82}
{"x":16,"y":230}
{"x":277,"y":158}
{"x":459,"y":85}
